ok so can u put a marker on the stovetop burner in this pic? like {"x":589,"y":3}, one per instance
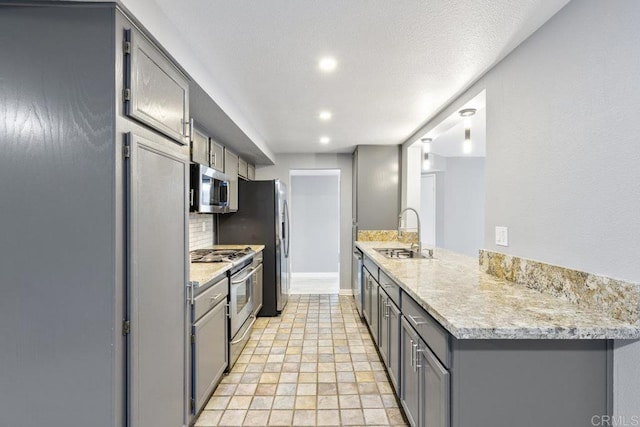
{"x":220,"y":255}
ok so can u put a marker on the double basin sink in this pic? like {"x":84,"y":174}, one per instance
{"x":402,"y":253}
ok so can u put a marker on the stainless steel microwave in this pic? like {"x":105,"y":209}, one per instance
{"x":209,"y":190}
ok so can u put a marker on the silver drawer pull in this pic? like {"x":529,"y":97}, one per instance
{"x":415,"y":322}
{"x":214,"y":298}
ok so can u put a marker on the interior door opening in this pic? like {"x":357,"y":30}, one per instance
{"x":315,"y":231}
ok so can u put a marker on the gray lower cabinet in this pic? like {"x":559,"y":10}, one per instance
{"x":157,"y":93}
{"x":374,"y":324}
{"x":366,"y":295}
{"x":393,"y":355}
{"x":383,"y":329}
{"x":210,"y":356}
{"x":409,"y":381}
{"x":434,"y":393}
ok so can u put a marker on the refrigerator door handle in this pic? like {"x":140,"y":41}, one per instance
{"x":288,"y":230}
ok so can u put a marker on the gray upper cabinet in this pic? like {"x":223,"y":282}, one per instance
{"x":216,"y":160}
{"x":231,"y":170}
{"x":199,"y":146}
{"x":157,"y":93}
{"x":251,"y":172}
{"x":376,"y":185}
{"x":243,"y":168}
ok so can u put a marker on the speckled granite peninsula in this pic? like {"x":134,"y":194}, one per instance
{"x":471,"y":304}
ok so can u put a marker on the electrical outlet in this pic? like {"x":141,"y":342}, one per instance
{"x":204,"y":226}
{"x":502,"y":236}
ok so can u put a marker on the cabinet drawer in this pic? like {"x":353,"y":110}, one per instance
{"x":434,"y":335}
{"x":390,"y":287}
{"x":211,"y":297}
{"x":371,"y":266}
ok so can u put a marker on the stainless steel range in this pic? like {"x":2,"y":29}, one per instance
{"x":241,"y":292}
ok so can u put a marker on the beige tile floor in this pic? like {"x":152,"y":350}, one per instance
{"x":314,"y":365}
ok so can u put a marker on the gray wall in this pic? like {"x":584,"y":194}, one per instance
{"x":286,"y":162}
{"x":460,"y":194}
{"x":562,"y":152}
{"x":315,"y":223}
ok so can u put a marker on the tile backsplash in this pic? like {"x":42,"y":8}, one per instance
{"x":200,"y":231}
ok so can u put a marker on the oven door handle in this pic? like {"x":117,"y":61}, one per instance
{"x":252,"y":271}
{"x":239,"y":340}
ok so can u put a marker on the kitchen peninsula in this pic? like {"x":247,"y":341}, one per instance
{"x":467,"y":349}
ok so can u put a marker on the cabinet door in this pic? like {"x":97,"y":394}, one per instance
{"x":434,"y":395}
{"x":199,"y":147}
{"x":409,"y":381}
{"x":231,"y":170}
{"x":251,"y":172}
{"x":394,"y":345}
{"x":156,"y":292}
{"x":366,"y":295}
{"x":243,"y":168}
{"x":210,"y":355}
{"x":375,"y":313}
{"x":216,"y":153}
{"x":157,"y":92}
{"x":383,"y":343}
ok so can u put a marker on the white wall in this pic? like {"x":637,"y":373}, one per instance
{"x":563,"y":152}
{"x":460,"y":205}
{"x":285,"y":162}
{"x":315,"y":223}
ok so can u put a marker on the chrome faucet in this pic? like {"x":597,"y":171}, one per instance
{"x":400,"y":228}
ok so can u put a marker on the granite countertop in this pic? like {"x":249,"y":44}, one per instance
{"x":474,"y":305}
{"x":200,"y":273}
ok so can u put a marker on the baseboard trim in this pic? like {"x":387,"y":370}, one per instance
{"x":348,"y":292}
{"x":315,"y":275}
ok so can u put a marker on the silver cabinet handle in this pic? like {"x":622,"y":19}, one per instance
{"x":214,"y":298}
{"x":415,"y":322}
{"x":414,"y":355}
{"x":191,"y":197}
{"x":418,"y":350}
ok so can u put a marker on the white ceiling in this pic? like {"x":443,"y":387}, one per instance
{"x":399,"y":62}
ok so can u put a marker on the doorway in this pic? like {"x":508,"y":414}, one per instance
{"x":315,"y":231}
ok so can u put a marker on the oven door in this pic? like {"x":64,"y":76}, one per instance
{"x":241,"y":298}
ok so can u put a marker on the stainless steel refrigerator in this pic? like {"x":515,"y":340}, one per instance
{"x":263,"y":218}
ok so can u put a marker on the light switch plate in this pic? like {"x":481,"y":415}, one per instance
{"x":502,"y":236}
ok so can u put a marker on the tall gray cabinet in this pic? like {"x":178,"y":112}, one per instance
{"x":376,"y":187}
{"x":93,"y":194}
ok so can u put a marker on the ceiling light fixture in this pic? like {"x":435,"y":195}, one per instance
{"x":467,"y":113}
{"x":328,"y":64}
{"x":325,"y":115}
{"x":324,"y":140}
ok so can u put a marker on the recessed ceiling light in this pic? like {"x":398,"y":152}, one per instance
{"x":324,"y":115}
{"x":328,"y":64}
{"x":324,"y":140}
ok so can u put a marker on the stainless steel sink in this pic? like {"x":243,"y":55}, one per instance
{"x":400,"y":253}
